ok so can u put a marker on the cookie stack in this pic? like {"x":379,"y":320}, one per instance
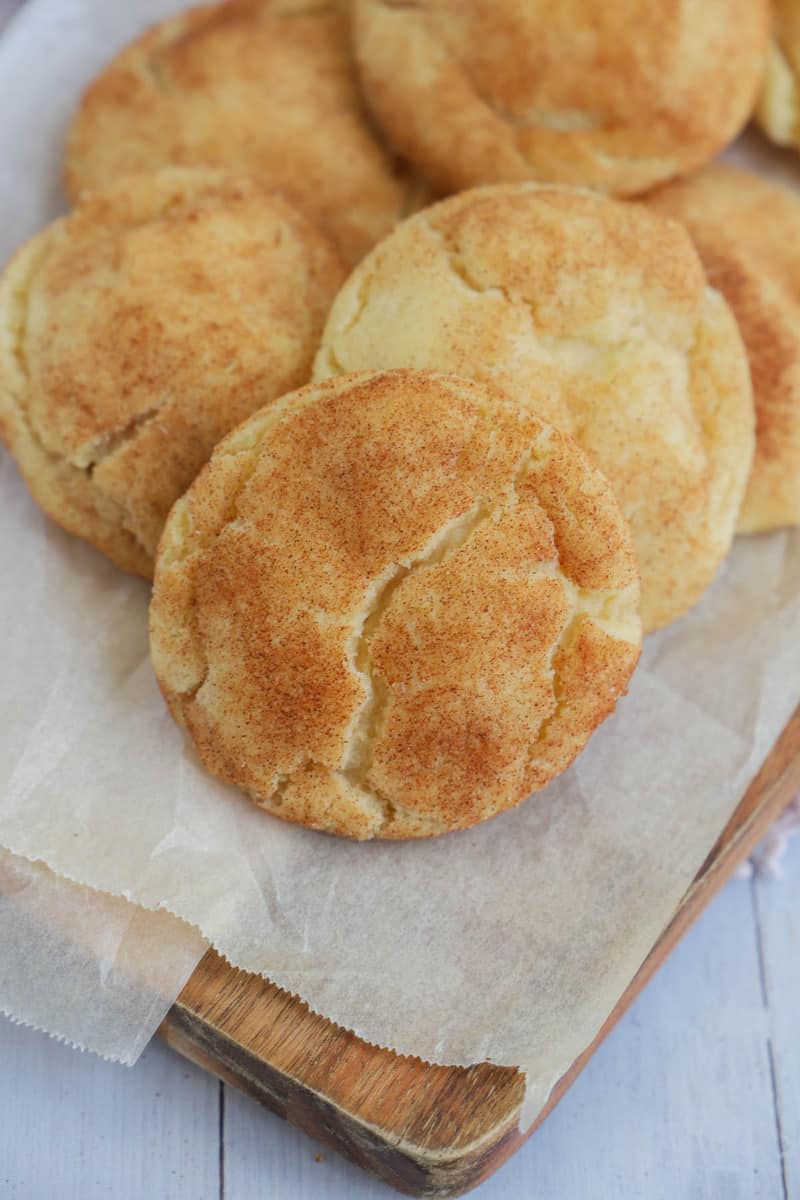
{"x":406,"y":526}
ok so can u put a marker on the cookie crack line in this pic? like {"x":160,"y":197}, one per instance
{"x":242,"y":441}
{"x":568,"y":634}
{"x":154,"y":72}
{"x":461,"y":271}
{"x":403,"y":5}
{"x":189,"y":546}
{"x":189,"y":695}
{"x":555,"y":120}
{"x":612,"y":610}
{"x":369,"y":719}
{"x":422,"y":8}
{"x":330,"y":358}
{"x":385,"y":811}
{"x":362,"y":300}
{"x":563,"y":121}
{"x":94,"y":453}
{"x":21,"y":298}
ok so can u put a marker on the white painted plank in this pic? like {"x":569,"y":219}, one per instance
{"x":73,"y":1127}
{"x":778,"y":907}
{"x":7,"y":10}
{"x":677,"y":1102}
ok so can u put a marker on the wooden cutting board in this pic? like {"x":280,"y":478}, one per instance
{"x":427,"y":1131}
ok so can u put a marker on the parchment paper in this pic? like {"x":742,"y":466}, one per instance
{"x":90,"y":969}
{"x":508,"y":943}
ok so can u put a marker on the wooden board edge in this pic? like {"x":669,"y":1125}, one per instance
{"x":413,"y":1168}
{"x":405,"y":1166}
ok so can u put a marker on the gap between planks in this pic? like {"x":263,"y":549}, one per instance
{"x":766,"y":1001}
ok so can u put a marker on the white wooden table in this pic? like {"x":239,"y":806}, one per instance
{"x":695,"y":1096}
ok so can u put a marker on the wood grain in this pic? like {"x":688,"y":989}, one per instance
{"x":428,"y":1131}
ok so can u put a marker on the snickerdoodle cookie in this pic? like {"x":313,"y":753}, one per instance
{"x":618,"y":95}
{"x":747,"y":231}
{"x":597,"y":316}
{"x":137,"y":331}
{"x":265,"y":88}
{"x":394,"y":604}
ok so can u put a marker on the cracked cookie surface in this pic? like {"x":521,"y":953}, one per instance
{"x":747,"y":232}
{"x":617,"y":95}
{"x":597,"y":316}
{"x":140,"y":329}
{"x":263,"y":87}
{"x":393,"y":605}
